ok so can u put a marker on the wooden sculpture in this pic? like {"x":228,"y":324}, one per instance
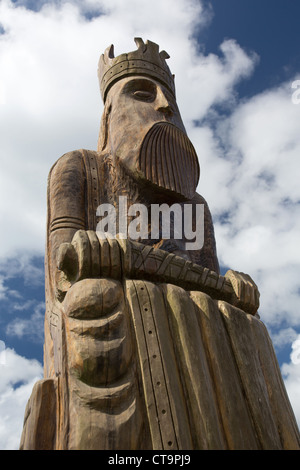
{"x":147,"y":346}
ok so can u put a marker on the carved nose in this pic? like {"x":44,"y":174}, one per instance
{"x":162,"y":104}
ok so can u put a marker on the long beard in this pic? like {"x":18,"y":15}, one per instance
{"x":168,"y":159}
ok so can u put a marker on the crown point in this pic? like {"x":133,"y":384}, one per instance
{"x":164,"y":55}
{"x":109,"y":52}
{"x":140,"y":44}
{"x":153,"y":46}
{"x":146,"y":60}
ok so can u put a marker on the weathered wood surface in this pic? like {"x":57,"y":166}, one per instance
{"x":153,"y":366}
{"x":146,"y":345}
{"x":40,"y":425}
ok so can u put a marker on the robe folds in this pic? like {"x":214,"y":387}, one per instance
{"x":136,"y":354}
{"x":176,"y":370}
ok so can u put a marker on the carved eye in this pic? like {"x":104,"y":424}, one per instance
{"x":140,"y":89}
{"x":143,"y":95}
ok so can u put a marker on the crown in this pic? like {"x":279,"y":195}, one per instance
{"x":146,"y":61}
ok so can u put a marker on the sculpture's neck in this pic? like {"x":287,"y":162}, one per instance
{"x":119,"y":183}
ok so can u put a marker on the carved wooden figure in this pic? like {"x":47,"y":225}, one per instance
{"x":147,"y":346}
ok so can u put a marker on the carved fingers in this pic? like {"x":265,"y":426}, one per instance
{"x":89,"y":256}
{"x":246,"y":294}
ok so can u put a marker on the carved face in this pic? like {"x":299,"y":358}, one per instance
{"x":136,"y":105}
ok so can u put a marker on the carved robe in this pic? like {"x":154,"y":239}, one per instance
{"x":139,"y":361}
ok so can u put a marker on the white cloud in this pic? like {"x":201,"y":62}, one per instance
{"x":291,"y":375}
{"x":3,"y":289}
{"x":284,"y":337}
{"x":250,"y":166}
{"x":6,"y":292}
{"x":32,"y":327}
{"x":50,"y":98}
{"x":23,"y":267}
{"x":295,"y":355}
{"x":210,"y":79}
{"x":17,"y":377}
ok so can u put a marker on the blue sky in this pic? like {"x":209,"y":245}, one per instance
{"x":235,"y":62}
{"x":268,"y":28}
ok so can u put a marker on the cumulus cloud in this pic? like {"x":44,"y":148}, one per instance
{"x":32,"y":327}
{"x":284,"y":337}
{"x":291,"y":375}
{"x":25,"y":266}
{"x":18,"y":375}
{"x":50,"y":102}
{"x":211,"y":78}
{"x":250,"y":167}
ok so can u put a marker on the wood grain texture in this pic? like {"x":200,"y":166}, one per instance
{"x":168,"y":159}
{"x":146,"y":345}
{"x":155,"y":366}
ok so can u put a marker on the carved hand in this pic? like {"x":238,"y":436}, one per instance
{"x":90,"y":256}
{"x":245,"y":292}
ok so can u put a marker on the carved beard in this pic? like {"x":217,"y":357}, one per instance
{"x":168,"y":159}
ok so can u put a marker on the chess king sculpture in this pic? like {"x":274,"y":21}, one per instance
{"x":147,"y":346}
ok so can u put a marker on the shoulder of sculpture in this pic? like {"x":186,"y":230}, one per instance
{"x":68,"y":159}
{"x":71,"y":162}
{"x":198,"y":199}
